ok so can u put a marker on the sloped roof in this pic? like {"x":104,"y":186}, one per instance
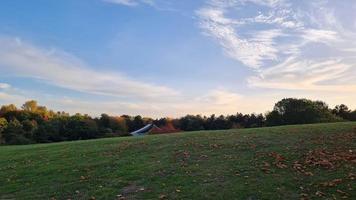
{"x":145,"y":130}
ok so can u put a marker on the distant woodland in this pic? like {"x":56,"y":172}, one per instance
{"x":33,"y":123}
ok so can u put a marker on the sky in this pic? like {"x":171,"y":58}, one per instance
{"x":169,"y":58}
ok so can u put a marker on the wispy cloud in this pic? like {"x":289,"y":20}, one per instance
{"x":160,"y":5}
{"x":127,"y":96}
{"x":4,"y":86}
{"x":241,"y":41}
{"x":250,"y":51}
{"x":276,"y":38}
{"x":130,"y":2}
{"x":216,"y":101}
{"x":322,"y":36}
{"x":297,"y":74}
{"x":64,"y":70}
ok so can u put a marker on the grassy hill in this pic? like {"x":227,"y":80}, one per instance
{"x":288,"y":162}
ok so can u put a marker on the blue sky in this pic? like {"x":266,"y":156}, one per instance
{"x":170,"y":58}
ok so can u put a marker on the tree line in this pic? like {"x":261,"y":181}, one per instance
{"x":33,"y":123}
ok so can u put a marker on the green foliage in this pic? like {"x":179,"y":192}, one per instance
{"x":344,"y":112}
{"x":118,"y":125}
{"x":113,"y":125}
{"x":34,"y":123}
{"x":14,"y":133}
{"x":191,"y":123}
{"x":300,"y":111}
{"x":3,"y":126}
{"x":274,"y":118}
{"x":195,"y":123}
{"x":29,"y":127}
{"x":137,"y":123}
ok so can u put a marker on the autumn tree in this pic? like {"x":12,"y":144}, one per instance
{"x":7,"y":108}
{"x":30,"y":106}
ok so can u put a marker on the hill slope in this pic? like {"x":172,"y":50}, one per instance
{"x":289,"y":162}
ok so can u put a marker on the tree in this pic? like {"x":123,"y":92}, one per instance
{"x":53,"y":130}
{"x":191,"y":123}
{"x":104,"y":121}
{"x":80,"y":127}
{"x":110,"y":125}
{"x":42,"y":110}
{"x":254,"y":120}
{"x":137,"y":123}
{"x":7,"y":108}
{"x":352,"y":116}
{"x":300,"y":111}
{"x":14,"y":133}
{"x":342,"y":111}
{"x":30,"y":106}
{"x":29,"y":127}
{"x":118,"y":125}
{"x":3,"y":126}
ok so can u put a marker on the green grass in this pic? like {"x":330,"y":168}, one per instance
{"x":232,"y":164}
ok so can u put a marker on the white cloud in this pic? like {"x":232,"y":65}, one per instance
{"x":233,"y":3}
{"x":160,"y":5}
{"x":296,"y":49}
{"x":296,"y":74}
{"x":9,"y":98}
{"x":63,"y":70}
{"x":251,"y":51}
{"x":129,"y":96}
{"x":221,"y":97}
{"x":295,"y":45}
{"x":323,"y":36}
{"x":270,"y":3}
{"x":123,"y":2}
{"x":217,"y":101}
{"x":4,"y":86}
{"x":241,"y":37}
{"x":130,"y":2}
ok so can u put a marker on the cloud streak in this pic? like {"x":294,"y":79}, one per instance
{"x":4,"y":86}
{"x":251,"y":51}
{"x":130,"y":3}
{"x":128,"y":96}
{"x":216,"y":101}
{"x":66,"y":71}
{"x":276,"y":38}
{"x":296,"y":74}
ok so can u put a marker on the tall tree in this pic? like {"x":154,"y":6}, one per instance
{"x":30,"y":106}
{"x":342,"y":111}
{"x":302,"y":111}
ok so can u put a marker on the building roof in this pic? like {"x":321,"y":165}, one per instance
{"x":145,"y":130}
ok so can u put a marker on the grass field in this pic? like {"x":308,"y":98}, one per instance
{"x":288,"y":162}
